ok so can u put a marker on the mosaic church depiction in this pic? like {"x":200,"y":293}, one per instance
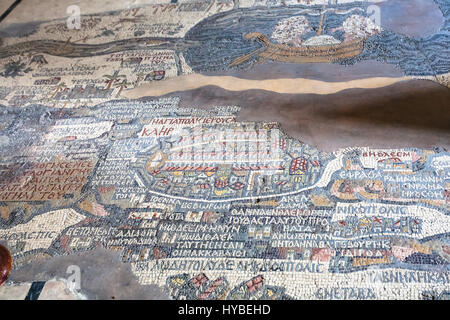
{"x":137,"y":133}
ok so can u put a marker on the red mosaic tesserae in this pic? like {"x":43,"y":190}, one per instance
{"x":5,"y":264}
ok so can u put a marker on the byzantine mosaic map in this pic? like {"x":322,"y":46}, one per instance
{"x":197,"y":201}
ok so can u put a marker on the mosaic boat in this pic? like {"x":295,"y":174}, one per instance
{"x":303,"y":54}
{"x":309,"y":52}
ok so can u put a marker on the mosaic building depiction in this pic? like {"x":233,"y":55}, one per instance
{"x":107,"y":142}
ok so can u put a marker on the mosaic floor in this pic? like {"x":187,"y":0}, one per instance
{"x":245,"y":149}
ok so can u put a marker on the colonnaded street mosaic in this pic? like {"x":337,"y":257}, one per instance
{"x":196,"y":200}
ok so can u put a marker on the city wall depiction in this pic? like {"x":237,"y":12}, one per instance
{"x":209,"y":207}
{"x":196,"y":201}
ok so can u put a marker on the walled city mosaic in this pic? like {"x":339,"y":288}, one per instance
{"x":195,"y":200}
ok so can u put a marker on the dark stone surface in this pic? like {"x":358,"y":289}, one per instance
{"x":330,"y":72}
{"x":407,"y":114}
